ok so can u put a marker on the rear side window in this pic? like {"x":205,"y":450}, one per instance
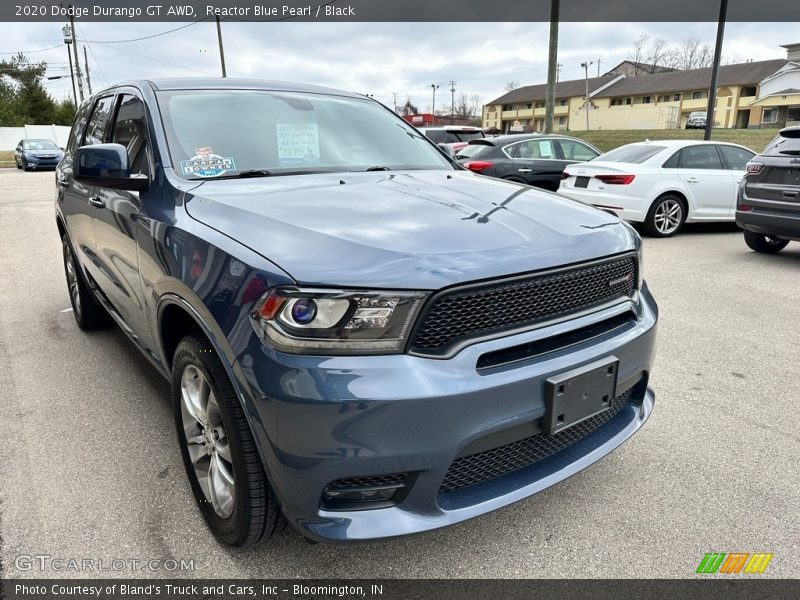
{"x":130,"y":130}
{"x":98,"y":122}
{"x":632,"y":153}
{"x":699,"y":157}
{"x":736,"y":158}
{"x":573,"y":150}
{"x":532,"y":149}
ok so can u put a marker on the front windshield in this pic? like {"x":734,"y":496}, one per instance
{"x":232,"y":132}
{"x":39,"y":145}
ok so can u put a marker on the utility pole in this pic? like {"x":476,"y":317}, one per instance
{"x":598,"y":66}
{"x":434,"y":87}
{"x":452,"y":98}
{"x":559,"y":67}
{"x":395,"y":101}
{"x":75,"y":50}
{"x":221,"y":50}
{"x":67,"y":31}
{"x":86,"y":62}
{"x":586,"y":66}
{"x":552,"y":69}
{"x":712,"y":92}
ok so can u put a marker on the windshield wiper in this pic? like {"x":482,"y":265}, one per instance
{"x":378,"y":169}
{"x":254,"y":173}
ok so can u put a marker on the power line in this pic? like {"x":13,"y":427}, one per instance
{"x":35,"y":51}
{"x":146,"y":37}
{"x":158,"y":60}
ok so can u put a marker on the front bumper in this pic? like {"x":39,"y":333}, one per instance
{"x":35,"y":162}
{"x":319,"y":419}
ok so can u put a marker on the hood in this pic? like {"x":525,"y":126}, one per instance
{"x":406,"y":229}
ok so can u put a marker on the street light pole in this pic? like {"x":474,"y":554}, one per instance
{"x":86,"y":63}
{"x":552,"y":69}
{"x":586,"y":66}
{"x":434,"y":87}
{"x":712,"y":92}
{"x":221,"y":50}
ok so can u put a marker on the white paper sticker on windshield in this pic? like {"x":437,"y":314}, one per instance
{"x":298,"y":144}
{"x":205,"y":163}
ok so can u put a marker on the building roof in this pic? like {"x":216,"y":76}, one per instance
{"x":564,"y":89}
{"x":646,"y":68}
{"x":695,"y":79}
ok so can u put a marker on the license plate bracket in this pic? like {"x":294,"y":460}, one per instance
{"x":579,"y":394}
{"x":582,"y":182}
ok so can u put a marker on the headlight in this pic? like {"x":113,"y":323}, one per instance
{"x":320,"y":321}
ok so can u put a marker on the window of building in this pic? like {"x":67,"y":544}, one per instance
{"x":539,"y":105}
{"x":562,"y":120}
{"x":770,"y":115}
{"x":699,"y":95}
{"x":647,"y":99}
{"x":793,"y":114}
{"x":628,"y":100}
{"x":676,"y":97}
{"x":528,"y":105}
{"x":562,"y":102}
{"x":749,"y":90}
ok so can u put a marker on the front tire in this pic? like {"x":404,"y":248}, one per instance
{"x":665,"y":217}
{"x":88,"y":312}
{"x":766,"y":244}
{"x":218,"y":449}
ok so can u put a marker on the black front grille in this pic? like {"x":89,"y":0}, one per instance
{"x":494,"y":307}
{"x":491,"y":464}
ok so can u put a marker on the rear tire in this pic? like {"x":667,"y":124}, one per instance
{"x":665,"y":217}
{"x":88,"y":312}
{"x":218,"y":449}
{"x":766,"y":244}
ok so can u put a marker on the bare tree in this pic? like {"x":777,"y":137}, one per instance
{"x":692,"y":55}
{"x":511,"y":85}
{"x":638,"y":54}
{"x":658,"y":55}
{"x":409,"y":108}
{"x":466,"y":106}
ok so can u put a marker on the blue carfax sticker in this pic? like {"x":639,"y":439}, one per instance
{"x":205,"y":163}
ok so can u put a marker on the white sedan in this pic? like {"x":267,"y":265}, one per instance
{"x":662,"y":184}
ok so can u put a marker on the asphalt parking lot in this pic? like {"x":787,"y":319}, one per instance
{"x":90,"y":468}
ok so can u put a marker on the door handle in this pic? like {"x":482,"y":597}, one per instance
{"x":692,"y":180}
{"x":525,"y":170}
{"x":96,"y":202}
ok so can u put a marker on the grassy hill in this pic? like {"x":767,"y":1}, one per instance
{"x":755,"y":139}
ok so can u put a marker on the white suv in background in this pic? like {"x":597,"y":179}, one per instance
{"x":662,"y":184}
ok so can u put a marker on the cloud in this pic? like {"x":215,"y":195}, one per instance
{"x":376,"y":58}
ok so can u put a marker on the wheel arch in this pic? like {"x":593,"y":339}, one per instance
{"x":678,"y":194}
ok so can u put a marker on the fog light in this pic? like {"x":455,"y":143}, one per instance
{"x":365,"y":492}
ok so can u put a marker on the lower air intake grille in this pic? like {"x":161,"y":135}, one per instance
{"x":491,"y":464}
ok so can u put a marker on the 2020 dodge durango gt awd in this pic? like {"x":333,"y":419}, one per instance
{"x":363,"y":338}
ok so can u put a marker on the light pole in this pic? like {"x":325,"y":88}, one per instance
{"x":221,"y":49}
{"x":434,"y":87}
{"x":67,"y":31}
{"x":586,"y":66}
{"x":75,"y":50}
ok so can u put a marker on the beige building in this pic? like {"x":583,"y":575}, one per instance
{"x":749,"y":95}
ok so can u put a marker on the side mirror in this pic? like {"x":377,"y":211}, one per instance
{"x":107,"y":165}
{"x":447,"y":149}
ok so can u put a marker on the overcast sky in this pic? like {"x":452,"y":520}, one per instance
{"x":375,"y":58}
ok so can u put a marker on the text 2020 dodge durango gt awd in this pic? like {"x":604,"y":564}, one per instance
{"x":363,"y":338}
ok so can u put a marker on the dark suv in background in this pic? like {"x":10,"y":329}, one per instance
{"x":361,"y":336}
{"x":768,"y":206}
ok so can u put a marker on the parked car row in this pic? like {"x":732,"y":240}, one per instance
{"x":660,"y":184}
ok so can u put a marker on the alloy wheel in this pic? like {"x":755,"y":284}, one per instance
{"x":668,"y":216}
{"x":207,"y":442}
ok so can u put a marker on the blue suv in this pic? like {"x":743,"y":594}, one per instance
{"x":363,"y":339}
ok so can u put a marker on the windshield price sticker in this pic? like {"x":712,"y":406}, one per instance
{"x":298,"y":144}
